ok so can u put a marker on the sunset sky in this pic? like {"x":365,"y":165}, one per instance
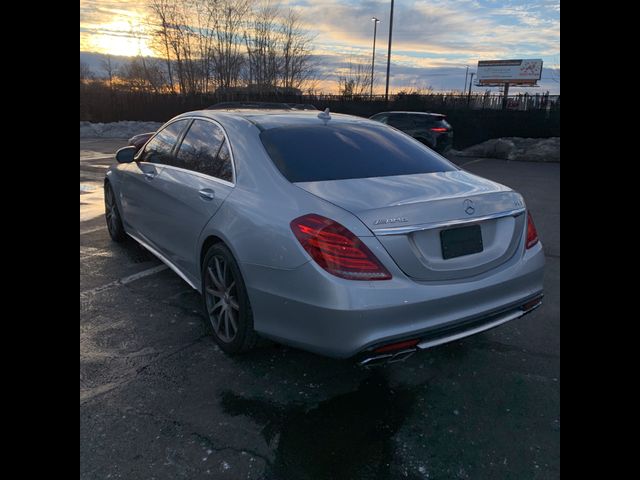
{"x":432,"y":40}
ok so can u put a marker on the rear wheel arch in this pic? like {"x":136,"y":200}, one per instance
{"x":210,"y":241}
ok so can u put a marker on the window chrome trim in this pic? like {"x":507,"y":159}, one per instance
{"x":448,"y":223}
{"x":199,"y":174}
{"x":181,"y":138}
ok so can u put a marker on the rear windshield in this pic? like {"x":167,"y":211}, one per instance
{"x":338,"y":152}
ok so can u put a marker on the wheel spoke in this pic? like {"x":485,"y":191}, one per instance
{"x":215,"y":293}
{"x":231,"y":285}
{"x":215,"y":280}
{"x":226,"y":324}
{"x":232,"y":319}
{"x":216,"y":305}
{"x":233,"y":303}
{"x":219,"y":272}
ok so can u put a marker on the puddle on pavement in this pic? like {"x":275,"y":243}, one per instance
{"x":349,"y":436}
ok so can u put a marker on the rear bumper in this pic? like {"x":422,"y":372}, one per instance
{"x":451,"y":333}
{"x":313,"y":310}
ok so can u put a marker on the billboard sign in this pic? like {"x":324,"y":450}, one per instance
{"x":515,"y":72}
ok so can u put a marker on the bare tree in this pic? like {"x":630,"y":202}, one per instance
{"x":227,"y":17}
{"x":163,"y":16}
{"x":355,"y":80}
{"x":261,"y":41}
{"x":142,"y":75}
{"x":85,"y":72}
{"x":296,"y":52}
{"x":220,"y":43}
{"x":109,"y":69}
{"x":177,"y":37}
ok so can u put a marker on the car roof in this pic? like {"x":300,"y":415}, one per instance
{"x":273,"y":118}
{"x":412,"y":113}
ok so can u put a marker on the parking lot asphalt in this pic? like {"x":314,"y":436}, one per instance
{"x":159,"y":400}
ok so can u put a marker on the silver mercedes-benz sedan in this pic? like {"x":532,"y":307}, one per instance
{"x":331,"y":233}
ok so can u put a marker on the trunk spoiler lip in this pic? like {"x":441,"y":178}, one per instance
{"x":402,"y":230}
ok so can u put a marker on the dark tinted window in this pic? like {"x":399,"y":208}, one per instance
{"x":380,"y":118}
{"x":307,"y":154}
{"x":401,"y":122}
{"x":158,"y":150}
{"x":203,"y":150}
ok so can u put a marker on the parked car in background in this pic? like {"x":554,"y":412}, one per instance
{"x":432,"y":129}
{"x":332,"y":233}
{"x":139,"y":140}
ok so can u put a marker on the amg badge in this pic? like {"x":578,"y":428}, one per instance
{"x":384,"y":221}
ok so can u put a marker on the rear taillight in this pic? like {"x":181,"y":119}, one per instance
{"x":336,"y":249}
{"x":532,"y":233}
{"x":439,"y":129}
{"x":398,"y":346}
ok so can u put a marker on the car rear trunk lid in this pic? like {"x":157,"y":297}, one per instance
{"x":408,"y":214}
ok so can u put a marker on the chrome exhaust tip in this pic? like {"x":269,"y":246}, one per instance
{"x":375,"y":360}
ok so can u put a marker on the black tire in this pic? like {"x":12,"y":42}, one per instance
{"x":112,"y":215}
{"x":222,"y":283}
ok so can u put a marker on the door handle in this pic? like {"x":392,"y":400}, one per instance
{"x":207,"y":194}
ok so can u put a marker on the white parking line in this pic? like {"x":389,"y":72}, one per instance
{"x":91,"y":230}
{"x":124,"y":280}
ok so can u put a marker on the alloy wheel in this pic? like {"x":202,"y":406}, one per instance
{"x":111,"y":211}
{"x":221,"y":299}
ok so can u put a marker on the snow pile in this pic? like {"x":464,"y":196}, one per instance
{"x":124,"y":129}
{"x":516,"y":148}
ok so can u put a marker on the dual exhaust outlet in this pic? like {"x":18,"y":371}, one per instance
{"x":400,"y":351}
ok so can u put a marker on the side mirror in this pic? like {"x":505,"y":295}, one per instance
{"x":126,"y":154}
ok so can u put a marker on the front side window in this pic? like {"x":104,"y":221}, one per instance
{"x":159,"y":148}
{"x":204,"y":150}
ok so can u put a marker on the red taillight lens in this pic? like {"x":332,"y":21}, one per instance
{"x":397,"y":346}
{"x":336,"y":249}
{"x":439,"y":129}
{"x":532,"y":233}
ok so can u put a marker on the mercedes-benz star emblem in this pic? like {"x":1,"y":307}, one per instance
{"x":468,"y":207}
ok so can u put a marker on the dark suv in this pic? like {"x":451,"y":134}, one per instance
{"x":432,"y":129}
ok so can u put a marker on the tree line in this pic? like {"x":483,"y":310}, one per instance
{"x":204,"y":45}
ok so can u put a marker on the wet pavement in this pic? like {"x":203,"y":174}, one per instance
{"x":159,"y":400}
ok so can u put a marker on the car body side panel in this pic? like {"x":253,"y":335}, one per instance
{"x":185,"y":214}
{"x":256,"y":227}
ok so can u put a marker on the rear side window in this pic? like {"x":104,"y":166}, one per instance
{"x":338,"y":152}
{"x":401,"y":121}
{"x":158,"y":150}
{"x":204,"y":150}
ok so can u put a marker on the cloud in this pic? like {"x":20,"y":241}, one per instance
{"x":430,"y":38}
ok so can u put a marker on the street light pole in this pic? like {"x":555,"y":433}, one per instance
{"x":373,"y":58}
{"x":466,"y":74}
{"x":386,"y":90}
{"x":470,"y":84}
